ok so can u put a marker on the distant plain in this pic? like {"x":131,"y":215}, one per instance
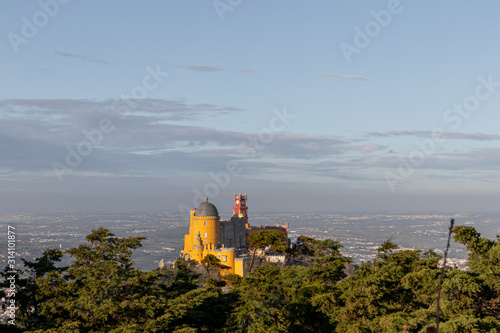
{"x":359,"y":233}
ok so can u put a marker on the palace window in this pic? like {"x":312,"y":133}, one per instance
{"x":218,"y":256}
{"x":224,"y":258}
{"x":205,"y":223}
{"x":195,"y":222}
{"x":206,"y":234}
{"x":215,"y":235}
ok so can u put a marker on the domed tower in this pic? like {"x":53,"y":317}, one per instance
{"x":204,"y":229}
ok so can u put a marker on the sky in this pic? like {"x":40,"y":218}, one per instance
{"x":336,"y":106}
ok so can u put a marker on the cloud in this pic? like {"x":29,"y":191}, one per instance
{"x":152,"y":151}
{"x":466,"y":164}
{"x":81,"y":57}
{"x":369,"y":147}
{"x":349,"y":77}
{"x":202,"y":68}
{"x":148,"y":142}
{"x":213,"y":69}
{"x":151,"y":140}
{"x":445,"y":135}
{"x":475,"y":159}
{"x":84,"y":111}
{"x":35,"y":132}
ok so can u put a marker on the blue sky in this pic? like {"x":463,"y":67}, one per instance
{"x":406,"y":122}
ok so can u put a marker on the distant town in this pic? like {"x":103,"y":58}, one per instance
{"x":360,"y":234}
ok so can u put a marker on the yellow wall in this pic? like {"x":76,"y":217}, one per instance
{"x":238,"y":267}
{"x":210,"y":242}
{"x":189,"y":238}
{"x":241,"y":265}
{"x":197,"y":226}
{"x":187,"y":243}
{"x":212,"y":229}
{"x":230,"y":255}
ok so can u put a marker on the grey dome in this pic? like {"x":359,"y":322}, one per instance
{"x":206,"y":209}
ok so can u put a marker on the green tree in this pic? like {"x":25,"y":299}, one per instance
{"x":211,"y":261}
{"x":100,"y":291}
{"x":305,"y":245}
{"x":277,"y":299}
{"x":484,"y":264}
{"x":328,"y":264}
{"x":28,"y":312}
{"x":386,"y":249}
{"x":199,"y":310}
{"x":261,"y":298}
{"x":179,"y":280}
{"x":398,"y":289}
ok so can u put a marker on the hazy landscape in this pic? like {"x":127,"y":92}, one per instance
{"x":360,"y":234}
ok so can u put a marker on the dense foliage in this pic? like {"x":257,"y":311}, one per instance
{"x":101,"y":291}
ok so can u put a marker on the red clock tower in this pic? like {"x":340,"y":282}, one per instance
{"x":240,"y":206}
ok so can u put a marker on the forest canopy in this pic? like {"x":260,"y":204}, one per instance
{"x":101,"y":291}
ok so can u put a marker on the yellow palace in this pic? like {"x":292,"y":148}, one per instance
{"x":227,"y":240}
